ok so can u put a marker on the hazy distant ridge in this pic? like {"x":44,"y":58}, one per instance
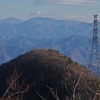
{"x":67,"y":36}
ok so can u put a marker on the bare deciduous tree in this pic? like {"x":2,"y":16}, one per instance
{"x":15,"y":90}
{"x":95,"y":92}
{"x":75,"y":83}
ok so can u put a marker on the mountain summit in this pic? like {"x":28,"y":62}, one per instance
{"x":11,"y":20}
{"x":47,"y":72}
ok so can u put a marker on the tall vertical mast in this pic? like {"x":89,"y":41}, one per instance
{"x":94,"y":54}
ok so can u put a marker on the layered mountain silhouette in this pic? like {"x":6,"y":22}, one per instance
{"x":76,"y":47}
{"x":68,"y":36}
{"x":40,"y":28}
{"x":9,"y":52}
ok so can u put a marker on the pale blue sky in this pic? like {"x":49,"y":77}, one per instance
{"x":82,"y":10}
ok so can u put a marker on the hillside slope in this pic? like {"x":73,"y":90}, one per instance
{"x":48,"y":68}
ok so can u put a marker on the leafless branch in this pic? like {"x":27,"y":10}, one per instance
{"x":96,"y":93}
{"x":40,"y":96}
{"x":75,"y":84}
{"x":15,"y":90}
{"x":55,"y":94}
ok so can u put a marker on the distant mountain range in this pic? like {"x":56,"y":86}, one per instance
{"x":11,"y":20}
{"x":9,"y":52}
{"x":41,"y":28}
{"x":68,"y":36}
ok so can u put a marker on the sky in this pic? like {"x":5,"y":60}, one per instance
{"x":81,"y":10}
